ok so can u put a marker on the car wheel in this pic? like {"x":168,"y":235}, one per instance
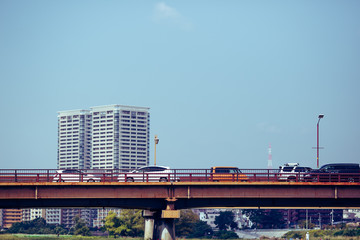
{"x":351,"y":180}
{"x":163,"y":179}
{"x":130,"y":179}
{"x":91,"y":180}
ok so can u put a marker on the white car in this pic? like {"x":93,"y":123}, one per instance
{"x":148,"y":174}
{"x":74,"y":175}
{"x":292,"y":172}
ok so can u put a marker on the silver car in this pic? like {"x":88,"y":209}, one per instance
{"x":148,"y":174}
{"x":74,"y":175}
{"x":292,"y":172}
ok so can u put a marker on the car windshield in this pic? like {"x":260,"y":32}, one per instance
{"x":301,"y":169}
{"x":71,"y":171}
{"x":149,"y":169}
{"x":226,"y":170}
{"x":287,"y":169}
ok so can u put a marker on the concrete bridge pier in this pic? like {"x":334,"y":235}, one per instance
{"x":159,"y":225}
{"x":149,"y":217}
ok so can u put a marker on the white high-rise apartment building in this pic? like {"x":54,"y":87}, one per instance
{"x":120,"y":137}
{"x":105,"y":137}
{"x":74,"y":139}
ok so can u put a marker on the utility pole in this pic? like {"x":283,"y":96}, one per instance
{"x":156,"y":142}
{"x":270,"y":158}
{"x":307,"y":224}
{"x":317,"y":140}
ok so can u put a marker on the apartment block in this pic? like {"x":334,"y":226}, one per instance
{"x":103,"y":137}
{"x":74,"y":139}
{"x":30,"y":214}
{"x":102,"y":214}
{"x":120,"y":137}
{"x":53,"y":216}
{"x":68,"y":215}
{"x":11,"y":216}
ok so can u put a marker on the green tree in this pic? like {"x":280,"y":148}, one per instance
{"x":59,"y":230}
{"x":36,"y":226}
{"x":112,"y":222}
{"x":132,"y":223}
{"x":201,"y":230}
{"x":302,"y":224}
{"x":225,"y":220}
{"x":80,"y":227}
{"x":129,"y":223}
{"x":185,"y":224}
{"x":266,"y":218}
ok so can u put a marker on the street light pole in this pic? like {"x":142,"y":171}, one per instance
{"x":156,"y":142}
{"x":317,"y":147}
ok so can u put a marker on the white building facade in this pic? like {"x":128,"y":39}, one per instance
{"x":120,"y":137}
{"x":30,"y":214}
{"x":53,"y":216}
{"x":102,"y":214}
{"x":104,"y":137}
{"x":74,"y":139}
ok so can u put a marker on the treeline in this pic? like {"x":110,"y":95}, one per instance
{"x":336,"y":233}
{"x":130,"y":223}
{"x":37,"y":226}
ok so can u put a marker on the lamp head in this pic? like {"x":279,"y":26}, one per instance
{"x":321,"y":116}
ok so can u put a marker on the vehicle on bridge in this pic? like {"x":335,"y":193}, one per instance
{"x":233,"y":174}
{"x":149,"y":174}
{"x":335,"y":172}
{"x":292,"y":172}
{"x":74,"y":175}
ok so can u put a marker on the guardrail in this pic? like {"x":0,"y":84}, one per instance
{"x":175,"y":175}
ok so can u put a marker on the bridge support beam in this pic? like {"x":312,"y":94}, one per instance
{"x":159,"y":225}
{"x":149,"y":217}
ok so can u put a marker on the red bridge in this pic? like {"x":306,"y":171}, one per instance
{"x":162,"y":200}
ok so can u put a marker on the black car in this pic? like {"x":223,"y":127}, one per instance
{"x":335,"y":172}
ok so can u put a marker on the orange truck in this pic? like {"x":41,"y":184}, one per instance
{"x":229,"y":174}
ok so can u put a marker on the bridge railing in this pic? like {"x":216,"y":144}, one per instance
{"x":182,"y":175}
{"x":26,"y":175}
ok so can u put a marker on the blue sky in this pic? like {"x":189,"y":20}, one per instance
{"x":223,"y":79}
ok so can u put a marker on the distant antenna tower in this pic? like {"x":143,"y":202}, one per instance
{"x":270,"y":158}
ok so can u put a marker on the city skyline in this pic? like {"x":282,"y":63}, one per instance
{"x":222,"y":79}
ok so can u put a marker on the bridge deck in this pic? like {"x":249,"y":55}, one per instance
{"x":181,"y":194}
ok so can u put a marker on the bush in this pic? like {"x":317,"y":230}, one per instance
{"x":294,"y":234}
{"x":318,"y":233}
{"x":36,"y":226}
{"x":223,"y":234}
